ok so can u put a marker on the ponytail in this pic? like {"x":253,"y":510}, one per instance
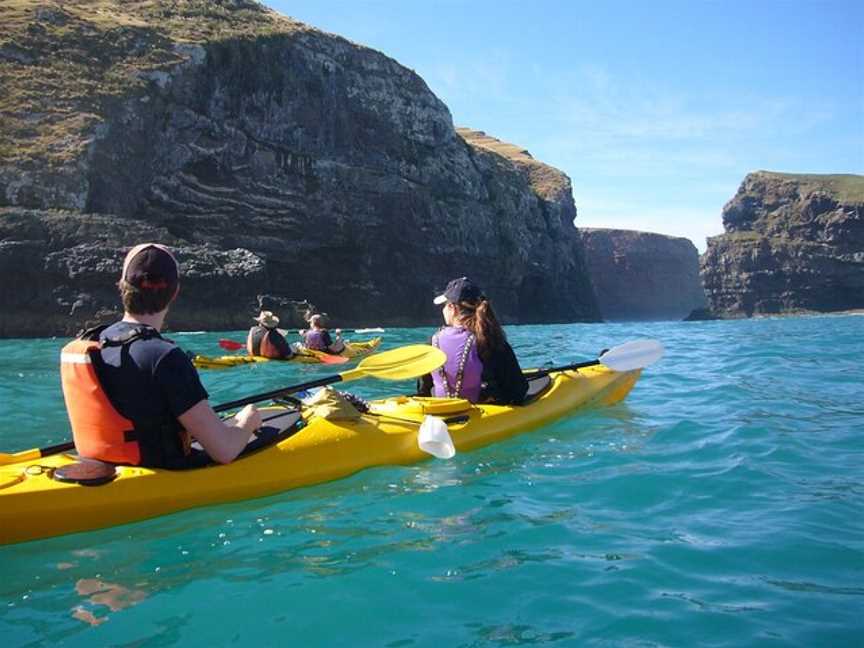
{"x":480,"y":319}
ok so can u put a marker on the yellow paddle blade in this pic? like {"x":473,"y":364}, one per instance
{"x":403,"y":363}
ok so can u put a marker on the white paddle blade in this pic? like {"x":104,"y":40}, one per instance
{"x":632,"y":355}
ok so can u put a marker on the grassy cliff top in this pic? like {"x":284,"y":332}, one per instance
{"x":626,"y":234}
{"x":550,"y":183}
{"x":845,"y":188}
{"x":189,"y":20}
{"x":60,"y":62}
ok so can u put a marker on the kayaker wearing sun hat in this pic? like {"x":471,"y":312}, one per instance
{"x":132,"y":396}
{"x":265,"y":339}
{"x":481,"y":365}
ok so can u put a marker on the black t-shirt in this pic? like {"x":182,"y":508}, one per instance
{"x":149,"y":378}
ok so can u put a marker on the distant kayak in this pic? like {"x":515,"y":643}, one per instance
{"x":376,"y":329}
{"x":304,"y":355}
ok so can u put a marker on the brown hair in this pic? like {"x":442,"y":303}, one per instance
{"x":144,"y":302}
{"x":479,"y":318}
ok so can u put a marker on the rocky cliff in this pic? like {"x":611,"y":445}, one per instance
{"x":642,"y":276}
{"x":276,"y":158}
{"x":793,"y":243}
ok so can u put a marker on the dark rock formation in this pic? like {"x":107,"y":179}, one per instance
{"x":642,"y":276}
{"x":292,"y":313}
{"x":278,"y":159}
{"x":793,"y":243}
{"x":701,"y":315}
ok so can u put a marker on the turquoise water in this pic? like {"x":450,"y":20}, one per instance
{"x":721,"y":505}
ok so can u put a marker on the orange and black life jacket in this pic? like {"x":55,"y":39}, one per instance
{"x":258,"y":343}
{"x":98,"y":429}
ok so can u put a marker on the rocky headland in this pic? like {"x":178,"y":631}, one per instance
{"x":278,"y":160}
{"x":793,"y":243}
{"x":641,"y":275}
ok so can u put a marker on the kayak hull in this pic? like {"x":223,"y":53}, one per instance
{"x":34,"y":506}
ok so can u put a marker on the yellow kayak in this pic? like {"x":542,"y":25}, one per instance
{"x":304,"y":355}
{"x":306,"y":450}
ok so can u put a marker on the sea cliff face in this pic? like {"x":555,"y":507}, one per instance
{"x":793,"y":243}
{"x":643,"y":276}
{"x":276,"y":158}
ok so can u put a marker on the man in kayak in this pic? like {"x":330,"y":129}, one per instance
{"x":132,"y":396}
{"x":265,"y":339}
{"x":317,"y":337}
{"x":481,"y":365}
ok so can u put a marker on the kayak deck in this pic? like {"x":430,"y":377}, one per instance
{"x":33,"y":505}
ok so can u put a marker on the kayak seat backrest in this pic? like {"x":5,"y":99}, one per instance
{"x":86,"y":472}
{"x":536,"y":387}
{"x":279,"y":427}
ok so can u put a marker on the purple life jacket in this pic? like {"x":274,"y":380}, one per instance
{"x":461,"y":375}
{"x":316,"y":339}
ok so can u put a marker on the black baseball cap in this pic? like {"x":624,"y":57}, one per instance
{"x":150,"y":266}
{"x":460,"y":290}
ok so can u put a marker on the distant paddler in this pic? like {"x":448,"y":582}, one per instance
{"x":317,"y":337}
{"x":266,"y":341}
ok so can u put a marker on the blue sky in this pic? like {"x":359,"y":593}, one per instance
{"x":656,"y":110}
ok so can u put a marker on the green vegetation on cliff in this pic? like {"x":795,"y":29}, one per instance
{"x":63,"y":63}
{"x":843,"y":187}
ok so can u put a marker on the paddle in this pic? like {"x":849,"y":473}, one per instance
{"x":396,"y":364}
{"x":34,"y":453}
{"x":374,"y":329}
{"x":402,"y":363}
{"x":231,"y":345}
{"x":636,"y":354}
{"x":325,"y":358}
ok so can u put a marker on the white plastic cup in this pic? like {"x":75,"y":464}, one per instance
{"x":434,"y":438}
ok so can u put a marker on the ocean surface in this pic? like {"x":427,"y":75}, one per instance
{"x":721,"y":504}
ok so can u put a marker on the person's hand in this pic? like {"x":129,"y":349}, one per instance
{"x":249,"y":418}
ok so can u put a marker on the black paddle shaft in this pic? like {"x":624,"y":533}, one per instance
{"x":63,"y":447}
{"x":56,"y":449}
{"x":545,"y":372}
{"x":276,"y":393}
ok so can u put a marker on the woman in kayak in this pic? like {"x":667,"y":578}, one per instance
{"x":318,"y":337}
{"x":266,"y":341}
{"x":481,"y":365}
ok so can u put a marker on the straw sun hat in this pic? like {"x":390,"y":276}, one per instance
{"x":267,"y":319}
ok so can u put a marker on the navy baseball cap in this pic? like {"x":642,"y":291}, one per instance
{"x":460,"y":290}
{"x":150,"y":266}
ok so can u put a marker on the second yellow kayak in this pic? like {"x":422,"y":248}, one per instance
{"x":307,"y":356}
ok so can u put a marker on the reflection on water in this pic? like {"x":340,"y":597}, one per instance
{"x":100,"y":593}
